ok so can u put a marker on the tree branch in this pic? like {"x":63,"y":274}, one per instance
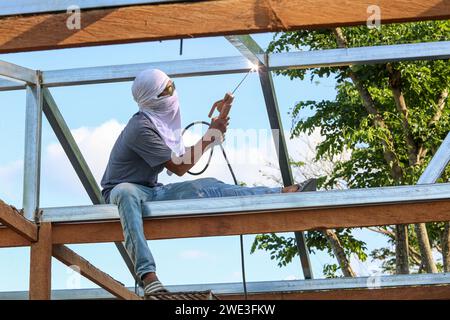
{"x":441,"y":102}
{"x":339,"y":252}
{"x":440,"y":107}
{"x":368,"y":103}
{"x":396,"y":88}
{"x":382,"y":231}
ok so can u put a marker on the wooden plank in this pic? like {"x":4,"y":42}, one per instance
{"x":248,"y":223}
{"x":196,"y":19}
{"x":16,"y":222}
{"x":41,"y":264}
{"x":69,"y":258}
{"x":435,"y":292}
{"x":9,"y":238}
{"x":257,"y":222}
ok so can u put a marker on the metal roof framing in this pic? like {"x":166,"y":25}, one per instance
{"x":59,"y":225}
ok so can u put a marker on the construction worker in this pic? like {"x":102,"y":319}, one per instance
{"x":150,"y":142}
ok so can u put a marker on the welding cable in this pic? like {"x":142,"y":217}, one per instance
{"x":241,"y":237}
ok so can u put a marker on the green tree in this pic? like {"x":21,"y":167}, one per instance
{"x":392,"y":117}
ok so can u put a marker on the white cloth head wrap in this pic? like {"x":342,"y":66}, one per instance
{"x":164,"y":111}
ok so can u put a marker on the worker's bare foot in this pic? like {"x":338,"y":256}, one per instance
{"x":149,"y":278}
{"x":293,"y":188}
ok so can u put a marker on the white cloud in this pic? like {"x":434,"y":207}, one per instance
{"x":249,"y":152}
{"x":235,"y":276}
{"x":58,"y":176}
{"x":291,"y":277}
{"x":11,"y":176}
{"x":193,"y":254}
{"x":252,"y":156}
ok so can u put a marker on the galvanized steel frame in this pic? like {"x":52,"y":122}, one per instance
{"x":39,"y":99}
{"x":256,"y":55}
{"x":239,"y":64}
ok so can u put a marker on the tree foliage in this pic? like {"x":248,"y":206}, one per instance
{"x":391,"y":116}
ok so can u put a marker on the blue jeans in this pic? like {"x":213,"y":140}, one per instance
{"x":129,"y":197}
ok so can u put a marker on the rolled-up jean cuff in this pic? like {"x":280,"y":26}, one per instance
{"x":141,"y":274}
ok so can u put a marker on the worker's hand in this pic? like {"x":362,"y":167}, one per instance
{"x":220,"y":124}
{"x":221,"y":104}
{"x":217,"y":129}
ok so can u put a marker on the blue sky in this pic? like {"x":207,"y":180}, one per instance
{"x":96,"y":113}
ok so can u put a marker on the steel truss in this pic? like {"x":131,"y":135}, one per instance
{"x":39,"y":99}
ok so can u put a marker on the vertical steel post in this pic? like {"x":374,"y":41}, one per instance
{"x":250,"y":49}
{"x":273,"y":112}
{"x":32,"y":157}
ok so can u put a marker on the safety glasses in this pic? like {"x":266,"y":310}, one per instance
{"x":168,"y":91}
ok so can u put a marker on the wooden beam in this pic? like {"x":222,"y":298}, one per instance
{"x":16,"y":222}
{"x":196,"y":19}
{"x":69,"y":258}
{"x":257,"y":222}
{"x":248,"y":223}
{"x":9,"y":238}
{"x":41,"y":264}
{"x":435,"y":292}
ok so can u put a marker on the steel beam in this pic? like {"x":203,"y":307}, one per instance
{"x":18,"y":73}
{"x":437,"y":164}
{"x":252,"y":51}
{"x":32,"y":158}
{"x":122,"y":73}
{"x":239,"y":64}
{"x":70,"y":147}
{"x":248,"y":47}
{"x":273,"y":113}
{"x":242,"y":205}
{"x":360,"y":55}
{"x":16,"y":7}
{"x":285,"y":288}
{"x":78,"y":162}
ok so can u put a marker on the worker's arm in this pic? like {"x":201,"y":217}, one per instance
{"x":181,"y":165}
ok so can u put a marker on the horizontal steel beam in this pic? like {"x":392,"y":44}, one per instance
{"x":15,"y":72}
{"x":259,"y":203}
{"x":275,"y":287}
{"x":240,"y":64}
{"x":237,"y":222}
{"x":121,"y":73}
{"x":251,"y":214}
{"x":16,"y":7}
{"x":360,"y":55}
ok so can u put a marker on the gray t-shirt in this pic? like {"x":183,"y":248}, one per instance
{"x":138,"y":155}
